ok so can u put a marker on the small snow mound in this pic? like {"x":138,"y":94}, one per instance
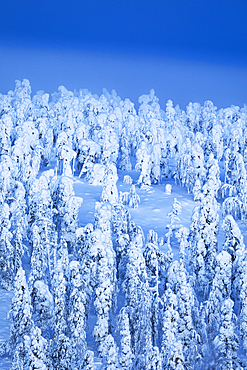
{"x":168,"y":189}
{"x":127,"y":180}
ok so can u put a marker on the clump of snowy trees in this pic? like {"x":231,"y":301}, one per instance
{"x":103,"y":289}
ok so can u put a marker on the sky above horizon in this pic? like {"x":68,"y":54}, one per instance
{"x":185,"y":50}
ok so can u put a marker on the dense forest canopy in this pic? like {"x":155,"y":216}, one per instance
{"x":105,"y":290}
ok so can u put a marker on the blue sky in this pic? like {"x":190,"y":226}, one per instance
{"x":185,"y":50}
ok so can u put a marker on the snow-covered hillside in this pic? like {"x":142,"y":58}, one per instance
{"x":122,"y":233}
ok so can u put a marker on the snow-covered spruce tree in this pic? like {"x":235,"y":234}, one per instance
{"x":61,"y":193}
{"x":20,"y":313}
{"x":125,"y":356}
{"x":226,"y":343}
{"x":6,"y":249}
{"x":234,"y":245}
{"x":70,"y":221}
{"x":43,"y":307}
{"x":120,"y":219}
{"x":61,"y":355}
{"x":169,"y":323}
{"x":32,"y":352}
{"x":122,"y":246}
{"x":78,"y":302}
{"x":103,"y":280}
{"x":83,"y":236}
{"x":143,"y":164}
{"x":88,"y":154}
{"x":220,"y":290}
{"x":18,"y":224}
{"x":110,"y":354}
{"x":157,"y":263}
{"x":134,"y":199}
{"x":234,"y":166}
{"x":110,"y":191}
{"x":59,"y":297}
{"x":190,"y":165}
{"x":62,"y":256}
{"x":6,"y":128}
{"x":213,"y":173}
{"x":7,"y":177}
{"x":208,"y":117}
{"x":102,"y":220}
{"x":204,"y":226}
{"x":173,"y":216}
{"x":125,"y":151}
{"x":187,"y":335}
{"x":38,"y":258}
{"x":67,"y":207}
{"x":138,"y":300}
{"x":88,"y":361}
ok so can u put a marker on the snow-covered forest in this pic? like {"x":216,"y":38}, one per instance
{"x":92,"y":288}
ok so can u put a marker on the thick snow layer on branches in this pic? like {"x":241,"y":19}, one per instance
{"x":122,"y":232}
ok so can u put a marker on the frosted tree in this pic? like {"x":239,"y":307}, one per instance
{"x":88,"y":361}
{"x":226,"y":343}
{"x":233,"y":243}
{"x":138,"y":299}
{"x":70,"y":221}
{"x":78,"y":303}
{"x":120,"y":219}
{"x":61,"y":194}
{"x":102,"y":220}
{"x":169,"y":323}
{"x":62,"y":356}
{"x":125,"y":356}
{"x":204,"y":226}
{"x":6,"y":249}
{"x":20,"y":313}
{"x":143,"y":164}
{"x":213,"y":173}
{"x":32,"y":352}
{"x":122,"y":246}
{"x":83,"y":237}
{"x":154,"y":359}
{"x":125,"y":151}
{"x":175,"y":358}
{"x":220,"y":290}
{"x":110,"y":191}
{"x":18,"y":224}
{"x":187,"y":335}
{"x":134,"y":199}
{"x":197,"y":264}
{"x":157,"y":263}
{"x":155,"y":160}
{"x":59,"y":297}
{"x":43,"y":306}
{"x":110,"y":358}
{"x":103,"y":281}
{"x":173,"y":215}
{"x":234,"y":166}
{"x":89,"y":152}
{"x":38,"y":258}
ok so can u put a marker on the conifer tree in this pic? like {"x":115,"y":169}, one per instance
{"x":6,"y":249}
{"x":59,"y":296}
{"x":138,"y":300}
{"x":77,"y":314}
{"x":226,"y":343}
{"x":20,"y":313}
{"x":62,"y":356}
{"x":125,"y":355}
